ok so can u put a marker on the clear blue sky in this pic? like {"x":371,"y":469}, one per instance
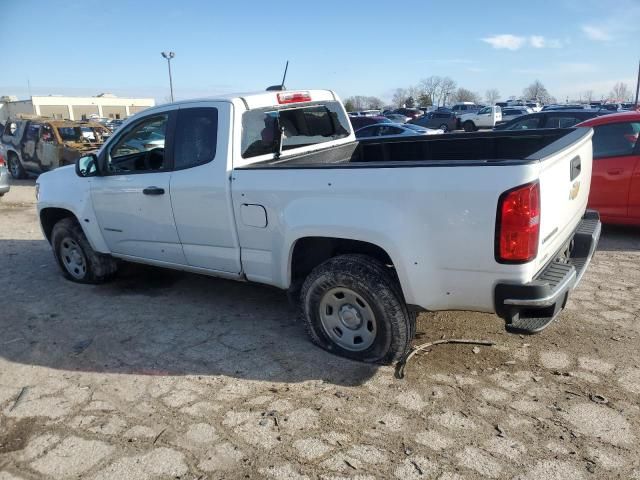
{"x":84,"y":47}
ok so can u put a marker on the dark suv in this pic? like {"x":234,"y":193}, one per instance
{"x":445,"y":120}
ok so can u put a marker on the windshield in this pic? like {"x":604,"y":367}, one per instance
{"x":303,"y":126}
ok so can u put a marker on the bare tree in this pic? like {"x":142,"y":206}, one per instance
{"x":360,"y":102}
{"x":620,"y":92}
{"x":399,"y":97}
{"x":374,"y":103}
{"x":429,"y":87}
{"x":445,"y":90}
{"x":465,"y":95}
{"x":349,"y":105}
{"x":414,"y":91}
{"x":537,"y":91}
{"x":492,"y":96}
{"x":425,"y":100}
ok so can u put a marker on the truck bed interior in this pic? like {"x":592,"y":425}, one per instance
{"x":492,"y":147}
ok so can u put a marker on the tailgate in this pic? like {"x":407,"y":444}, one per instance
{"x":565,"y":179}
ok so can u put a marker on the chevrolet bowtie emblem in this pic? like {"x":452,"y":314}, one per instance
{"x":575,"y":188}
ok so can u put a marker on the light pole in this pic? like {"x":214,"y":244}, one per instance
{"x":169,"y":56}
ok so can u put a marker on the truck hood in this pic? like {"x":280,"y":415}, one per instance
{"x":58,"y":175}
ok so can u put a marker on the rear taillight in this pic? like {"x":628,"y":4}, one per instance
{"x":293,"y":97}
{"x":2,"y":162}
{"x":518,"y":224}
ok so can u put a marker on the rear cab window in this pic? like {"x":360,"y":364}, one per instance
{"x":303,"y":126}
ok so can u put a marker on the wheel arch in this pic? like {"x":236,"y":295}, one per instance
{"x":49,"y":216}
{"x":308,"y":252}
{"x":11,"y":151}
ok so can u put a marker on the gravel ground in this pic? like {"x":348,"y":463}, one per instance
{"x":162,"y":374}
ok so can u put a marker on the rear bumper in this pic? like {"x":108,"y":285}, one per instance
{"x":530,"y":307}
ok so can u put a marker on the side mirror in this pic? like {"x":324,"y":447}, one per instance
{"x":87,"y":166}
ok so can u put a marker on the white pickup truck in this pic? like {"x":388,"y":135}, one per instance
{"x":487,"y":117}
{"x":272,"y":187}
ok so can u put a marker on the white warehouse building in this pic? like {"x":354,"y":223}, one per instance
{"x":104,"y":105}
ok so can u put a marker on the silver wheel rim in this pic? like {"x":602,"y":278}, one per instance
{"x":73,"y":258}
{"x":444,"y":127}
{"x":347,"y":319}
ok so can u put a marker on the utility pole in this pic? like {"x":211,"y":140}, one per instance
{"x":638,"y":85}
{"x":169,"y":56}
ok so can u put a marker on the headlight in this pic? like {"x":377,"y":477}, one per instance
{"x":37,"y":191}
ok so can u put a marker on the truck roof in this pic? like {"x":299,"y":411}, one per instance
{"x":259,"y":99}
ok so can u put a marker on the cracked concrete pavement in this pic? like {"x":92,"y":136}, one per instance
{"x":163,"y":374}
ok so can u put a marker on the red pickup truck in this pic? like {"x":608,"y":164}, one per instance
{"x":615,"y":181}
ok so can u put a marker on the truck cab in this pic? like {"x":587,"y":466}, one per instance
{"x":486,"y":117}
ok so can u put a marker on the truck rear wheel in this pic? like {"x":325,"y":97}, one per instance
{"x":78,"y":261}
{"x":469,"y":126}
{"x":353,"y":306}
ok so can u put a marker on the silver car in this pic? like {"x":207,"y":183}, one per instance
{"x":394,"y":130}
{"x":4,"y":173}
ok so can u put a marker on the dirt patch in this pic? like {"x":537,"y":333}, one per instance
{"x":14,"y":434}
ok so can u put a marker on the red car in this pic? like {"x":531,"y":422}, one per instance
{"x":615,"y":180}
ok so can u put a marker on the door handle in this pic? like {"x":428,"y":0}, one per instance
{"x":615,"y":171}
{"x":153,"y":191}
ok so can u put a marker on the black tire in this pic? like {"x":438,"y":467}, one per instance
{"x":97,"y":267}
{"x":15,"y":167}
{"x":444,"y":127}
{"x":376,"y":284}
{"x":469,"y":126}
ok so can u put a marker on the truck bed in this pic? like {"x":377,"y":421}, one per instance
{"x":493,"y":147}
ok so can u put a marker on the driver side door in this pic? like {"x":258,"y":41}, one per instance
{"x":132,"y":198}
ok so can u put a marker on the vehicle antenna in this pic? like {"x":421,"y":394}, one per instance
{"x":280,"y":87}
{"x":286,"y":67}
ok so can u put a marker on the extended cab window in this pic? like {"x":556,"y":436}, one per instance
{"x":302,"y":126}
{"x":196,"y":137}
{"x":615,"y":139}
{"x":140,"y":148}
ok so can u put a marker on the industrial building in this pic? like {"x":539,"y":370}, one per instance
{"x":104,"y":105}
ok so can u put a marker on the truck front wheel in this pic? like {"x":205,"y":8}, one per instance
{"x":78,"y":261}
{"x":353,"y":306}
{"x":469,"y":126}
{"x":15,"y":167}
